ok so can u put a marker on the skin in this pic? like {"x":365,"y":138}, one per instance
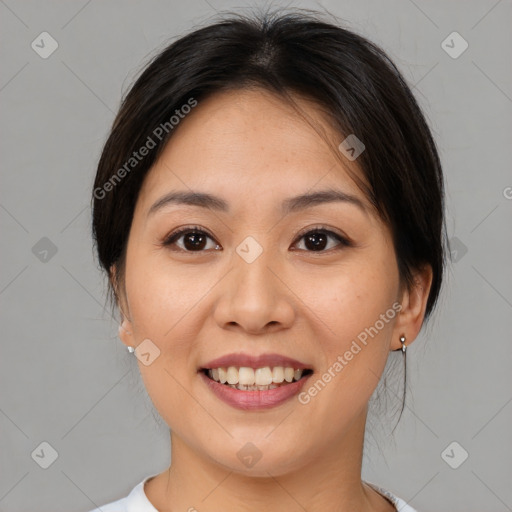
{"x":253,"y":150}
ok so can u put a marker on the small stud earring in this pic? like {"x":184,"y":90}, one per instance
{"x":130,"y":349}
{"x":402,"y":341}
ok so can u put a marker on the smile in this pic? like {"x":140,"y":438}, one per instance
{"x":241,"y":390}
{"x":256,"y":379}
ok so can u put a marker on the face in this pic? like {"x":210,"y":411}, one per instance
{"x":314,"y":282}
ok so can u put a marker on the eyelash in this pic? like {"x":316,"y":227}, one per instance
{"x":173,"y":237}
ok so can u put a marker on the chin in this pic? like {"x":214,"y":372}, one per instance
{"x":258,"y":459}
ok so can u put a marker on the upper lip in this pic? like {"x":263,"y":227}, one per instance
{"x":251,"y":361}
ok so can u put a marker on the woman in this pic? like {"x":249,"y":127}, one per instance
{"x":269,"y":210}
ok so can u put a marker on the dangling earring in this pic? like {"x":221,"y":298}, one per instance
{"x":404,"y":348}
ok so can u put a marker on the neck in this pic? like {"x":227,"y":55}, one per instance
{"x":330,"y":481}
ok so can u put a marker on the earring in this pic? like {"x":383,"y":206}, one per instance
{"x":129,"y":348}
{"x":404,"y":348}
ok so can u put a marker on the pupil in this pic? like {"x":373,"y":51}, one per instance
{"x":316,"y":244}
{"x":196,"y":239}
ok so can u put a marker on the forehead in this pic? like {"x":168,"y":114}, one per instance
{"x":251,"y":145}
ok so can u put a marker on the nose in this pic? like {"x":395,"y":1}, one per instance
{"x":255,"y":297}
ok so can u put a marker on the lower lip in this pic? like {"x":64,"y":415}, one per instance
{"x":254,"y":400}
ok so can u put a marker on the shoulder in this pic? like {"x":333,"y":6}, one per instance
{"x":399,"y":503}
{"x":136,"y":501}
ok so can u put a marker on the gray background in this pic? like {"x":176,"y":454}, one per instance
{"x":66,"y":380}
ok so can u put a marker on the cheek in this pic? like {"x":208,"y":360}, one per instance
{"x":162,"y":302}
{"x":160,"y":294}
{"x":355,"y":295}
{"x":362,"y":297}
{"x":357,"y":310}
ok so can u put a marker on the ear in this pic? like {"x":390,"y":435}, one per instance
{"x":125,"y":331}
{"x":414,"y":303}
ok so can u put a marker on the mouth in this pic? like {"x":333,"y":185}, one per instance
{"x":255,"y":382}
{"x":265,"y":378}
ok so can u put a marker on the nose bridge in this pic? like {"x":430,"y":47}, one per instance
{"x":253,"y":278}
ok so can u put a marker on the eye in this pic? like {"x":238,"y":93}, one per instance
{"x":317,"y":239}
{"x":194,"y":239}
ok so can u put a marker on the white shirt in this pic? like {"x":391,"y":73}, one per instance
{"x":137,"y":501}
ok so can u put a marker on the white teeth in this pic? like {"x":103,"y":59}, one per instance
{"x":232,"y":375}
{"x":263,"y":376}
{"x":250,"y":379}
{"x":288,"y":374}
{"x":246,"y":376}
{"x":223,"y":378}
{"x":277,"y":374}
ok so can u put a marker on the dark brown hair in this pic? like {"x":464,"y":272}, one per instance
{"x":351,"y":80}
{"x":347,"y":76}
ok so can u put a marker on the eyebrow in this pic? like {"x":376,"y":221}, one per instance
{"x":290,"y":205}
